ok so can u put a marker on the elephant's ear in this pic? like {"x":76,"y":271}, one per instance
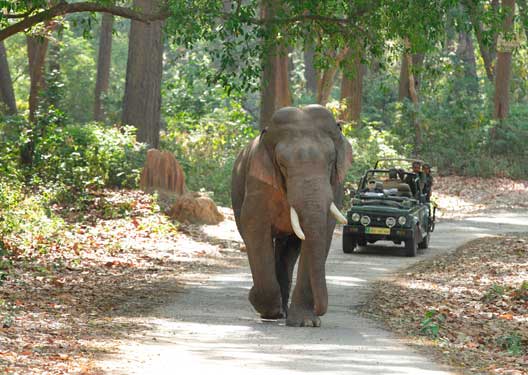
{"x":343,"y":159}
{"x":261,"y":167}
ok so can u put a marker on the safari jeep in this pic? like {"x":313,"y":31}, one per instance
{"x":389,"y":206}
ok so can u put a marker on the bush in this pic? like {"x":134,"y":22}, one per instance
{"x":24,"y":219}
{"x":207,"y":147}
{"x":70,"y":159}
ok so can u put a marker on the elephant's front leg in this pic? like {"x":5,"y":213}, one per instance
{"x":265,"y":295}
{"x":301,"y":312}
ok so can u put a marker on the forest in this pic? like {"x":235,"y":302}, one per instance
{"x":87,"y":87}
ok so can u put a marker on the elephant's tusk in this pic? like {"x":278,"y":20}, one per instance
{"x":337,"y":214}
{"x":295,"y":224}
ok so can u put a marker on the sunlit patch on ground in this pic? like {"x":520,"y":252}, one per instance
{"x":471,"y":305}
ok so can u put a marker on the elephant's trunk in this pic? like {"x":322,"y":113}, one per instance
{"x":314,"y":250}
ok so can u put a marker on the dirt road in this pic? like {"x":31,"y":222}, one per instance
{"x":212,"y":329}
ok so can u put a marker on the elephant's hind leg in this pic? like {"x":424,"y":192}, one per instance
{"x":287,"y":250}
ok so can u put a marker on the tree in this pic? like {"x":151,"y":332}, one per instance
{"x":486,"y":34}
{"x":504,"y":59}
{"x":466,"y":55}
{"x":352,"y":89}
{"x":103,"y":64}
{"x":275,"y":90}
{"x":408,"y":89}
{"x":30,"y":13}
{"x":37,"y":48}
{"x":142,"y":99}
{"x":409,"y":68}
{"x":7,"y":95}
{"x":310,"y":74}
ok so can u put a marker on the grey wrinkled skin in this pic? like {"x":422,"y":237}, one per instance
{"x":299,"y":160}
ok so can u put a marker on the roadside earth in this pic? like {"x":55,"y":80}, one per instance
{"x":468,"y":307}
{"x":211,"y":327}
{"x":123,"y":288}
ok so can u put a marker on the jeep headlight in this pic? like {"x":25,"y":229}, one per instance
{"x":390,"y":221}
{"x":402,"y":220}
{"x":365,"y":220}
{"x":356,"y":217}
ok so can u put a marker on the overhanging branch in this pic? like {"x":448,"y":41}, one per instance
{"x":66,"y":8}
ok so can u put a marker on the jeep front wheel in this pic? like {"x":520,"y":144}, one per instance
{"x":411,"y":246}
{"x":349,"y":244}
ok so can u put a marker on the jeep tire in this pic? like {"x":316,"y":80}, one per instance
{"x":425,"y":242}
{"x":411,"y":246}
{"x":349,"y":244}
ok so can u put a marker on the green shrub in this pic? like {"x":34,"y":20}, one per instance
{"x":207,"y":147}
{"x":24,"y":219}
{"x":70,"y":159}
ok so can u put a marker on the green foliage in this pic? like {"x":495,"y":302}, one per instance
{"x":495,"y":292}
{"x":431,"y":323}
{"x":24,"y":218}
{"x":207,"y":147}
{"x":512,"y":342}
{"x":69,"y":159}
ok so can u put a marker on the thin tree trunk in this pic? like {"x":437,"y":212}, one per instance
{"x":7,"y":95}
{"x":487,"y":50}
{"x":466,"y":54}
{"x":504,"y":59}
{"x":282,"y":93}
{"x":413,"y":95}
{"x":404,"y":87}
{"x":275,"y":87}
{"x":310,"y":74}
{"x":54,"y":70}
{"x":352,"y":90}
{"x":142,"y":99}
{"x":325,"y":82}
{"x":103,"y":65}
{"x":36,"y":48}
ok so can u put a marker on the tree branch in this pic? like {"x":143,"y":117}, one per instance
{"x":66,"y":8}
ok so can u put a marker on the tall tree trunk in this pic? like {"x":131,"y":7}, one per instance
{"x":408,"y":78}
{"x":325,"y":81}
{"x":54,"y":70}
{"x":103,"y":65}
{"x":487,"y":49}
{"x":466,"y":55}
{"x":275,"y":86}
{"x":36,"y":48}
{"x":504,"y":58}
{"x":7,"y":95}
{"x":416,"y":63}
{"x":352,"y":90}
{"x":142,"y":100}
{"x":310,"y":74}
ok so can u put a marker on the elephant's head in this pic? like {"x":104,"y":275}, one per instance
{"x":305,"y":157}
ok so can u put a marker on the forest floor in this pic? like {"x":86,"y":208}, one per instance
{"x":61,"y":308}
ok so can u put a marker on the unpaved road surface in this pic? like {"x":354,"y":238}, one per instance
{"x":212,"y":329}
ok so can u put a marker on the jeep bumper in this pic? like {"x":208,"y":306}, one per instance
{"x":361,"y":232}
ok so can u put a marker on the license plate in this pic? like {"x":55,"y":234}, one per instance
{"x":377,"y":230}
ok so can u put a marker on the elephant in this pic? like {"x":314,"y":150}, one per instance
{"x":287,"y":185}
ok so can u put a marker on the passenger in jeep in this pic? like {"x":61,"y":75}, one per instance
{"x":428,"y":181}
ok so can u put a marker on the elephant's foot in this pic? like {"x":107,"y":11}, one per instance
{"x":268,"y":305}
{"x":302,"y":317}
